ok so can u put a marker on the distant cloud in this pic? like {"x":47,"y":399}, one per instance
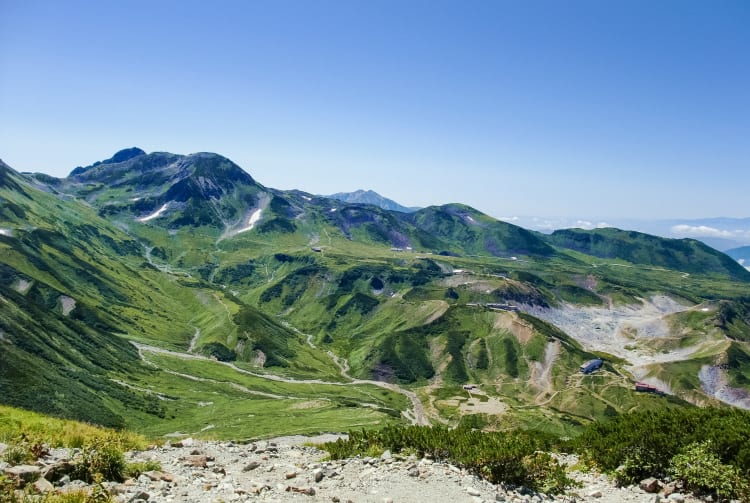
{"x":585,"y":224}
{"x":510,"y":219}
{"x":704,"y":231}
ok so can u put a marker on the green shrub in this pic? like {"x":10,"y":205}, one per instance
{"x":17,"y":454}
{"x":134,"y":470}
{"x":103,"y":458}
{"x":512,"y":457}
{"x":546,"y":473}
{"x":701,"y":470}
{"x":708,"y":449}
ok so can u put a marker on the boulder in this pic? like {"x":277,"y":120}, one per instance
{"x":185,"y":442}
{"x":55,"y":472}
{"x":23,"y":474}
{"x":317,"y":475}
{"x":650,"y":485}
{"x":43,"y":485}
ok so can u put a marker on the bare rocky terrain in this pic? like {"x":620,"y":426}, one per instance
{"x":291,"y":469}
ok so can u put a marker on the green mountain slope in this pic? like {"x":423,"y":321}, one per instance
{"x":466,"y":230}
{"x":175,"y":293}
{"x":687,"y":255}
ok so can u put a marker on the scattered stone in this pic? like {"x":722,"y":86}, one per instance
{"x":669,"y":489}
{"x":500,"y":497}
{"x":185,"y":442}
{"x":676,"y":497}
{"x":55,"y":472}
{"x":22,"y":474}
{"x":386,"y":455}
{"x":317,"y":475}
{"x":200,"y":461}
{"x":290,"y":475}
{"x":151,"y":475}
{"x":472,"y":492}
{"x":595,"y":494}
{"x":413,"y":472}
{"x":387,"y":500}
{"x":43,"y":485}
{"x":310,"y":491}
{"x":649,"y":485}
{"x":251,"y":466}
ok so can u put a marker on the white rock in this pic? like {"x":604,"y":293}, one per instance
{"x":595,"y":494}
{"x":472,"y":492}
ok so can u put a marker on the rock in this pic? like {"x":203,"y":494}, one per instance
{"x":649,"y":485}
{"x":413,"y":472}
{"x":595,"y":494}
{"x":156,"y":476}
{"x":317,"y":475}
{"x":2,"y":448}
{"x":387,"y":500}
{"x":43,"y":485}
{"x":22,"y":474}
{"x":57,"y":471}
{"x":669,"y":489}
{"x":200,"y":461}
{"x":290,"y":475}
{"x":676,"y":497}
{"x":500,"y":497}
{"x":185,"y":442}
{"x":252,"y":465}
{"x":386,"y":455}
{"x":472,"y":492}
{"x":141,"y":495}
{"x":310,"y":491}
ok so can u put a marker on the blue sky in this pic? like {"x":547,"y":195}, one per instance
{"x":567,"y":109}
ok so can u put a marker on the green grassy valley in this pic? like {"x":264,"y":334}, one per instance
{"x":174,"y":294}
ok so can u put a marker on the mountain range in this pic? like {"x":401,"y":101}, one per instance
{"x":168,"y":292}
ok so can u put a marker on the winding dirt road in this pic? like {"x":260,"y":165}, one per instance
{"x":416,"y":414}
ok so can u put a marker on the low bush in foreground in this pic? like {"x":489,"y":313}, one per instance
{"x":707,"y":449}
{"x":514,"y":458}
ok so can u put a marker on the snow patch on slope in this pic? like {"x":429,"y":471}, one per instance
{"x":6,"y":232}
{"x":254,"y":217}
{"x":155,"y":214}
{"x":67,"y":304}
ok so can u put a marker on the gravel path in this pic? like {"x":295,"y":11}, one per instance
{"x":288,"y":469}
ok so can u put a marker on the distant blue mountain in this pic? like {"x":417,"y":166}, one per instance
{"x":371,"y":197}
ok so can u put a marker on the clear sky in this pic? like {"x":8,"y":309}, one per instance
{"x":591,"y":109}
